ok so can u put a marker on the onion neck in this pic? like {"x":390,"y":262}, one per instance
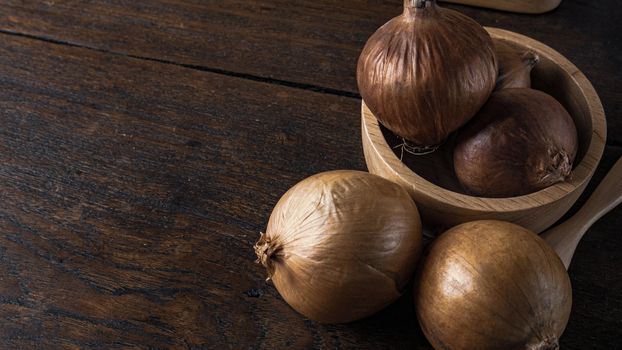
{"x":530,"y":58}
{"x":419,"y":7}
{"x":265,"y":249}
{"x":558,"y":169}
{"x":547,"y":344}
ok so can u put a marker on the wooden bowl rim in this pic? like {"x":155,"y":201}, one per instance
{"x":581,"y":174}
{"x":532,"y":7}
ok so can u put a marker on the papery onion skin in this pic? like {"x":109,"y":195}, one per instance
{"x":522,"y":141}
{"x":515,"y":65}
{"x":341,"y":245}
{"x":492,"y":285}
{"x":427,"y":72}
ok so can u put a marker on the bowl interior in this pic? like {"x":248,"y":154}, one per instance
{"x":547,"y":76}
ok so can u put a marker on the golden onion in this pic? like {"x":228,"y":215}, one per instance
{"x":341,"y":245}
{"x":492,"y":285}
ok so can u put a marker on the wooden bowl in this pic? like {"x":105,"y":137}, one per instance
{"x":519,"y":6}
{"x":431,"y":181}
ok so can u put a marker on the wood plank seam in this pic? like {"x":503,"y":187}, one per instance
{"x":286,"y":83}
{"x":105,"y":154}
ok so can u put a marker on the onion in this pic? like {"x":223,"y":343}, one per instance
{"x":522,"y":141}
{"x":492,"y":285}
{"x":427,"y":72}
{"x":341,"y":245}
{"x":515,"y":66}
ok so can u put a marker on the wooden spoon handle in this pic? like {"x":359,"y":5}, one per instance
{"x":565,"y":237}
{"x":520,"y":6}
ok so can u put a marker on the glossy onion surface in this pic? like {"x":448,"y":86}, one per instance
{"x":427,"y":72}
{"x":492,"y":285}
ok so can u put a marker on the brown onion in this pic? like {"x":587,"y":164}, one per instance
{"x":427,"y":72}
{"x":522,"y":141}
{"x":492,"y":285}
{"x":515,"y":66}
{"x":341,"y":245}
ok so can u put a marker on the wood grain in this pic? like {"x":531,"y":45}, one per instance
{"x":312,"y":44}
{"x":130,"y":201}
{"x":131,"y":191}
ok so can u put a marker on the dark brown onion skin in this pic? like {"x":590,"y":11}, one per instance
{"x":425,"y":73}
{"x":515,"y":65}
{"x":522,"y":141}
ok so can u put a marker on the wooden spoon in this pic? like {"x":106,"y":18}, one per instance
{"x":565,"y":237}
{"x":520,"y":6}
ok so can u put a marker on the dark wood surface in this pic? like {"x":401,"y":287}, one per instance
{"x":143,"y":145}
{"x":308,"y":44}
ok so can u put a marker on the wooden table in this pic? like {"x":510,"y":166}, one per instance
{"x":143,"y":145}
